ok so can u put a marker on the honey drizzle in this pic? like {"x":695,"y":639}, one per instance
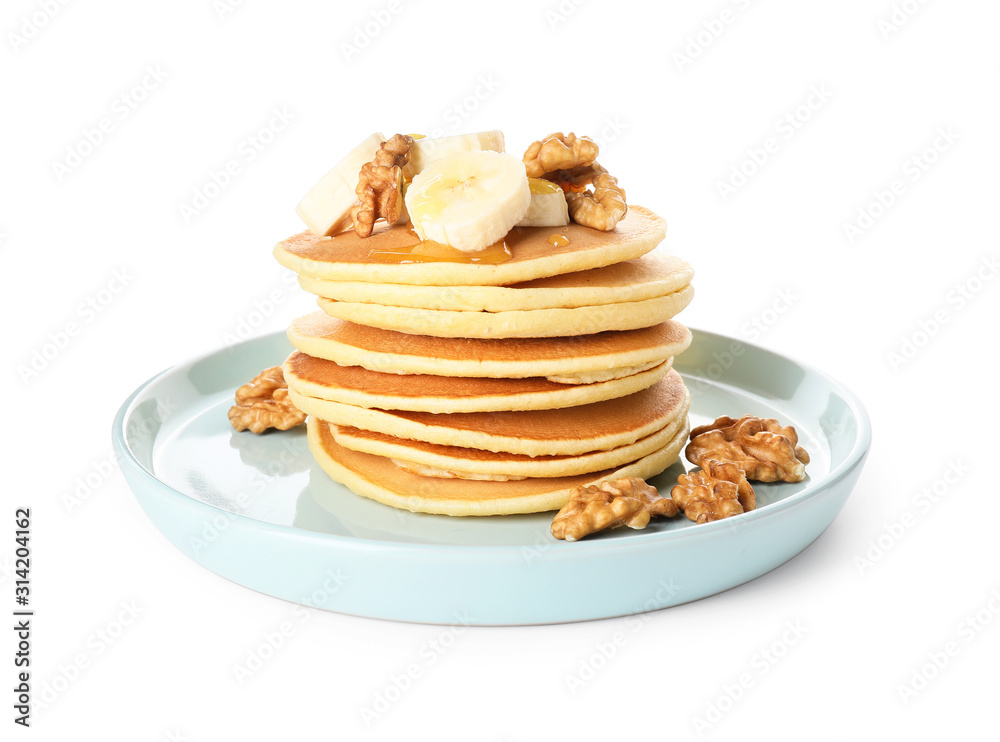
{"x":434,"y":252}
{"x":539,"y":186}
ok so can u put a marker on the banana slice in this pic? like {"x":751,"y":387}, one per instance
{"x":425,"y":151}
{"x":326,"y":208}
{"x":548,"y":206}
{"x":468,"y":200}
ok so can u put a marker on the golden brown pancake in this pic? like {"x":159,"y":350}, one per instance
{"x":529,"y":323}
{"x":378,"y":478}
{"x":474,"y":463}
{"x":652,"y":275}
{"x":347,"y":257}
{"x":354,"y":385}
{"x":571,"y":431}
{"x":350,"y":344}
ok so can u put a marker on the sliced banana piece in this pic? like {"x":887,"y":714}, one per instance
{"x":425,"y":151}
{"x":468,"y":200}
{"x":326,"y":208}
{"x":548,"y":206}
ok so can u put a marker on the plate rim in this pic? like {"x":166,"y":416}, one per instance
{"x":641,"y":540}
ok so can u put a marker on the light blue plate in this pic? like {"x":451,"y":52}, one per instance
{"x":258,"y":511}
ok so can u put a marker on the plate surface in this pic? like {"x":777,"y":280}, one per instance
{"x":258,"y":511}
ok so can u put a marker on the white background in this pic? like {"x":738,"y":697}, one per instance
{"x":679,"y":96}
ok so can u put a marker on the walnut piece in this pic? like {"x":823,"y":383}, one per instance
{"x":568,"y":161}
{"x":628,"y":501}
{"x":559,"y":152}
{"x":379,"y":185}
{"x":601,"y":209}
{"x":571,"y":163}
{"x":576,"y":180}
{"x":762,"y":448}
{"x":719,"y":490}
{"x":263,"y":404}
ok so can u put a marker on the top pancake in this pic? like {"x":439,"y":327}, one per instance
{"x":345,"y":257}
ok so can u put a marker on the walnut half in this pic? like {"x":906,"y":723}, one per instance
{"x":762,"y":448}
{"x":380,"y":183}
{"x":628,"y":501}
{"x":559,"y":152}
{"x":601,"y":209}
{"x":263,"y":404}
{"x":719,"y":490}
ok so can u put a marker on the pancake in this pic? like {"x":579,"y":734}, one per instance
{"x":316,"y":377}
{"x":530,"y":323}
{"x":600,"y":426}
{"x":472,"y":463}
{"x":648,"y":277}
{"x":378,"y":478}
{"x":347,"y":257}
{"x":349,"y":344}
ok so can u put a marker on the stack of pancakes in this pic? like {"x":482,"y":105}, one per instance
{"x":486,"y":385}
